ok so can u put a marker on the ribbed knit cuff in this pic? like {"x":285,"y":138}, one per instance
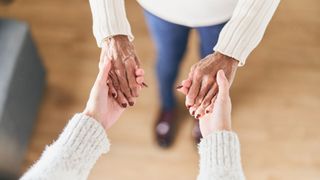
{"x":109,"y":19}
{"x":219,"y":153}
{"x":246,"y":28}
{"x":83,"y":137}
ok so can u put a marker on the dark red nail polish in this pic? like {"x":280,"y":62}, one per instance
{"x":145,"y":85}
{"x":131,"y":103}
{"x":124,"y":105}
{"x":188,"y":106}
{"x":198,"y":115}
{"x":207,"y":111}
{"x":113,"y":95}
{"x":193,"y":113}
{"x":178,"y":87}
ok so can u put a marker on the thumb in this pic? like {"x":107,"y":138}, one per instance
{"x":104,"y":71}
{"x":223,"y":84}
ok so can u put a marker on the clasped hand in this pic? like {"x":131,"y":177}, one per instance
{"x":124,"y":86}
{"x":201,"y":88}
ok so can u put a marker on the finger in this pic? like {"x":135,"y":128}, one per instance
{"x":131,"y":76}
{"x":209,"y":96}
{"x":122,"y":79}
{"x":140,"y":80}
{"x":137,"y":60}
{"x":112,"y":90}
{"x":183,"y":90}
{"x":121,"y":99}
{"x":139,"y":72}
{"x":223,"y":85}
{"x":193,"y":92}
{"x":200,"y":111}
{"x":185,"y":86}
{"x":106,"y":69}
{"x":206,"y":83}
{"x":186,"y":83}
{"x":103,"y":73}
{"x":116,"y":86}
{"x":191,"y":73}
{"x":192,"y":110}
{"x":209,"y":109}
{"x":114,"y":79}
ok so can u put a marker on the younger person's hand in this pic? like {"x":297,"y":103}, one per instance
{"x":100,"y":105}
{"x":220,"y":118}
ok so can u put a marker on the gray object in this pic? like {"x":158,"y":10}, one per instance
{"x":22,"y":79}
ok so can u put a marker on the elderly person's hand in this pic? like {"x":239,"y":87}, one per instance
{"x":201,"y":88}
{"x":101,"y":106}
{"x":220,"y":118}
{"x":123,"y":86}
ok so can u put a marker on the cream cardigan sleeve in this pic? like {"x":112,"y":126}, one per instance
{"x":84,"y":140}
{"x":109,"y":19}
{"x":74,"y":154}
{"x":246,"y":28}
{"x":220,"y":157}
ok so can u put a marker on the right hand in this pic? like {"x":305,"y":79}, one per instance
{"x":123,"y":85}
{"x":101,"y":106}
{"x":220,"y":118}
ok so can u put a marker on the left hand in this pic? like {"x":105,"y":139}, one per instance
{"x":100,"y":105}
{"x":121,"y":52}
{"x":201,"y":88}
{"x":220,"y":118}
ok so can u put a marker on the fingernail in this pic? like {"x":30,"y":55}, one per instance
{"x":113,"y":95}
{"x":145,"y":85}
{"x":198,"y":115}
{"x":188,"y":106}
{"x":207,"y":111}
{"x":193,"y":113}
{"x":124,"y":105}
{"x":178,"y":87}
{"x":131,"y":103}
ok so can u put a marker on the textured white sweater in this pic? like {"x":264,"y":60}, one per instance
{"x":84,"y":140}
{"x":245,"y":29}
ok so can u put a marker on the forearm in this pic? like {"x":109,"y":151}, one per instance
{"x":246,"y":28}
{"x":220,"y":157}
{"x":109,"y":19}
{"x":74,"y":153}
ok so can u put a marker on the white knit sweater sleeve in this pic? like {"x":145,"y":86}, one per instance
{"x":220,"y":157}
{"x":109,"y":19}
{"x":74,"y":154}
{"x":246,"y":28}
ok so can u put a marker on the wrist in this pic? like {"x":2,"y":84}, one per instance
{"x":95,"y":117}
{"x":115,"y":40}
{"x":229,"y":59}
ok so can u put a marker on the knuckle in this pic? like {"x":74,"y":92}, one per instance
{"x":198,"y":75}
{"x":191,"y":95}
{"x":206,"y":102}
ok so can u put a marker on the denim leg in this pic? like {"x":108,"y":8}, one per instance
{"x":170,"y":41}
{"x":208,"y":38}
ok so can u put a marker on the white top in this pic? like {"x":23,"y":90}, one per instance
{"x":84,"y":140}
{"x":192,"y":13}
{"x":237,"y":39}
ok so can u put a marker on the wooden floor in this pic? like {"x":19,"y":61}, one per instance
{"x":276,"y":96}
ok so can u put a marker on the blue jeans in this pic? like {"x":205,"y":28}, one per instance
{"x":170,"y":42}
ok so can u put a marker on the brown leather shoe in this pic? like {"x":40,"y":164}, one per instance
{"x":196,"y":133}
{"x":165,"y":128}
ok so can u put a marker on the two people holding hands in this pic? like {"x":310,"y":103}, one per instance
{"x":229,"y":30}
{"x":84,"y":139}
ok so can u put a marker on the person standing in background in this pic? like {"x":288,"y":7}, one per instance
{"x":229,"y":30}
